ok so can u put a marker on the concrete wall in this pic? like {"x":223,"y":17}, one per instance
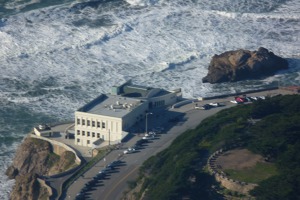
{"x":134,"y":116}
{"x":239,"y":93}
{"x":184,"y":102}
{"x":112,"y":130}
{"x":168,"y":99}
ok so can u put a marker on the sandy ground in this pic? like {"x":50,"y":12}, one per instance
{"x":238,"y":159}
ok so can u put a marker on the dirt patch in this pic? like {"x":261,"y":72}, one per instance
{"x":238,"y":159}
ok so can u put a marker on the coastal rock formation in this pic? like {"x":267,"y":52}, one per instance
{"x":31,"y":157}
{"x":28,"y":187}
{"x":243,"y":64}
{"x":35,"y":158}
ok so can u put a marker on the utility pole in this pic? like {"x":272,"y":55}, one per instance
{"x":108,"y":137}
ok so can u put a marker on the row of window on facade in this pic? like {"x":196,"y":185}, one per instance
{"x":87,"y":142}
{"x":159,"y":103}
{"x":88,"y":133}
{"x":88,"y":123}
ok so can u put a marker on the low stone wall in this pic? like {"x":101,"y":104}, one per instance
{"x":184,"y":102}
{"x":239,"y":93}
{"x":220,"y":176}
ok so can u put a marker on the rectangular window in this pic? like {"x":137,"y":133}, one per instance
{"x":83,"y":133}
{"x":93,"y":134}
{"x":93,"y":123}
{"x":78,"y":132}
{"x":103,"y":124}
{"x":98,"y":124}
{"x":88,"y":122}
{"x":98,"y":135}
{"x":78,"y":140}
{"x":88,"y":134}
{"x":88,"y":141}
{"x":83,"y":122}
{"x":78,"y":121}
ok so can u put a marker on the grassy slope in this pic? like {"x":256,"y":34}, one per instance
{"x":276,"y":136}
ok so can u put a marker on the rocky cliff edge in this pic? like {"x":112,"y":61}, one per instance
{"x":35,"y":158}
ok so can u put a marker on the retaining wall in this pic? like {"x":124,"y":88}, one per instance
{"x":239,"y":93}
{"x":184,"y":102}
{"x":220,"y":176}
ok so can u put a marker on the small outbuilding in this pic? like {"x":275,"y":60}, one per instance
{"x":43,"y":130}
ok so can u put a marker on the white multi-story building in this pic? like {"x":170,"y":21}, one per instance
{"x":109,"y":117}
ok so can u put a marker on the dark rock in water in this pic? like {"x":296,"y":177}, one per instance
{"x":243,"y":64}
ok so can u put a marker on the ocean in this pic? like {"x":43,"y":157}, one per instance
{"x":56,"y":55}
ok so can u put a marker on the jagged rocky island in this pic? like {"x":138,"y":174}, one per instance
{"x":242,"y":64}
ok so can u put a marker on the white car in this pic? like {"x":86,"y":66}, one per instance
{"x":233,"y":101}
{"x":254,"y":98}
{"x":150,"y":137}
{"x":129,"y":150}
{"x":214,"y":104}
{"x":150,"y":133}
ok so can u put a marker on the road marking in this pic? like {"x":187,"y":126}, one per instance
{"x":120,"y":182}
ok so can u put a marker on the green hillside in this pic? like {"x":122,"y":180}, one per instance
{"x":268,"y":127}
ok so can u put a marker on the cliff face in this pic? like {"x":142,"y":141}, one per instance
{"x":243,"y":64}
{"x":27,"y":187}
{"x":31,"y":157}
{"x":35,"y":158}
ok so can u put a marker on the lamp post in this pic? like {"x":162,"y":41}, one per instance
{"x":108,"y":137}
{"x":147,"y":121}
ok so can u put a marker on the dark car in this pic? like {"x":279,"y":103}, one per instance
{"x":114,"y":164}
{"x":80,"y":196}
{"x":141,"y":142}
{"x":206,"y":106}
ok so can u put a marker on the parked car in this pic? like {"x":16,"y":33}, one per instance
{"x":129,"y":150}
{"x":151,"y":133}
{"x":100,"y":176}
{"x":91,"y":183}
{"x":114,"y":163}
{"x":254,"y":98}
{"x":149,"y":137}
{"x":141,"y":142}
{"x":214,"y":104}
{"x":104,"y":171}
{"x":80,"y":196}
{"x":158,"y":129}
{"x":240,"y":99}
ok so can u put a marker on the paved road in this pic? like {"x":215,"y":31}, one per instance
{"x":113,"y":187}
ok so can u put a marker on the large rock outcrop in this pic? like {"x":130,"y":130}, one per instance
{"x":31,"y":157}
{"x":243,"y":64}
{"x":35,"y":158}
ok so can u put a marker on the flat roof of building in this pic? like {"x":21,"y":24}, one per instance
{"x":111,"y":105}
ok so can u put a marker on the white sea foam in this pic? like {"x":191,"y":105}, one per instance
{"x":55,"y":59}
{"x":141,"y":2}
{"x":19,"y":4}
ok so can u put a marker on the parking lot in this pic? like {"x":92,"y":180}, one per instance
{"x":113,"y":180}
